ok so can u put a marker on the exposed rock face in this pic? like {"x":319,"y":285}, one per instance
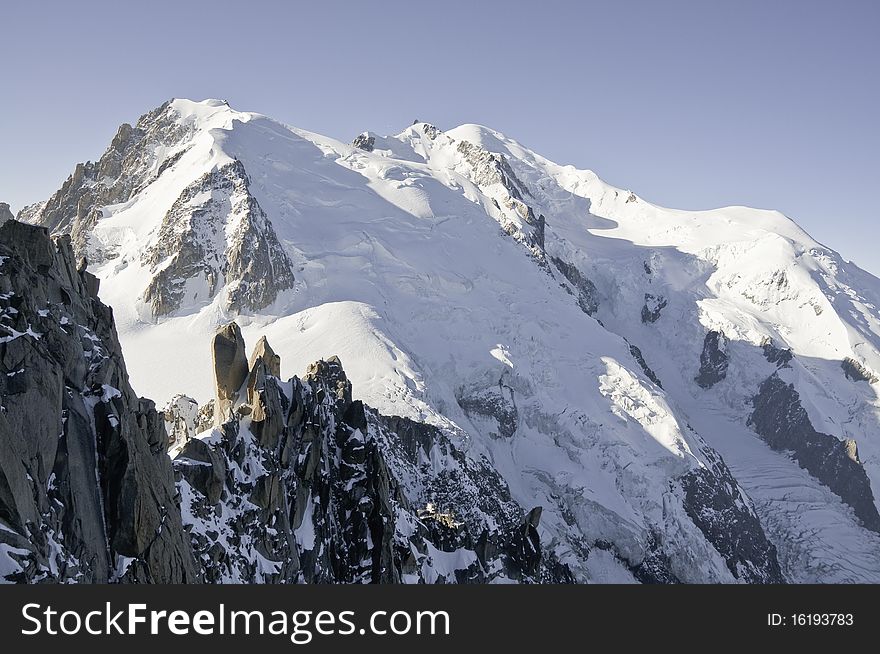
{"x":316,"y":487}
{"x":230,"y":370}
{"x":86,"y":488}
{"x":640,"y":359}
{"x":721,"y":510}
{"x":122,"y":171}
{"x":299,"y":485}
{"x":364,"y":142}
{"x":781,"y":357}
{"x":713,"y":360}
{"x":263,"y":351}
{"x":429,"y":130}
{"x":488,"y":170}
{"x":216,"y":234}
{"x":5,"y":213}
{"x":780,"y":419}
{"x":654,"y":305}
{"x":858,"y":372}
{"x":587,"y":294}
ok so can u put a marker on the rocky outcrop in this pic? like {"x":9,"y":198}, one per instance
{"x":780,"y":419}
{"x":230,"y":370}
{"x":490,"y":168}
{"x":856,"y":371}
{"x":717,"y":505}
{"x":587,"y":293}
{"x":298,"y":483}
{"x":713,"y":360}
{"x":653,"y":306}
{"x":86,"y":489}
{"x":264,"y":352}
{"x":295,"y":482}
{"x":5,"y":213}
{"x":429,"y":130}
{"x":309,"y":485}
{"x":216,"y":235}
{"x":365,"y":142}
{"x":493,"y":174}
{"x":780,"y":356}
{"x":640,"y":359}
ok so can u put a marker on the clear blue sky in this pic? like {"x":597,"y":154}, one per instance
{"x":771,"y":104}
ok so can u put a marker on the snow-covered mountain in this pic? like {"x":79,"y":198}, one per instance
{"x":688,"y":396}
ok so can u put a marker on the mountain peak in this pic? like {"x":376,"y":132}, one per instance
{"x":610,"y":354}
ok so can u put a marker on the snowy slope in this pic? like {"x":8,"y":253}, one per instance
{"x":467,"y":282}
{"x":758,"y":278}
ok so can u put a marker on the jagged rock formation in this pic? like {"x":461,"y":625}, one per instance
{"x":123,"y":170}
{"x":858,"y":372}
{"x":780,"y":419}
{"x":491,"y":172}
{"x":364,"y":141}
{"x":309,"y":485}
{"x":264,"y":352}
{"x":230,"y":370}
{"x":780,"y":356}
{"x":86,"y":488}
{"x":429,"y":130}
{"x":314,"y":486}
{"x":184,"y":419}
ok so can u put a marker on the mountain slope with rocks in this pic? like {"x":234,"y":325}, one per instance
{"x":688,"y":396}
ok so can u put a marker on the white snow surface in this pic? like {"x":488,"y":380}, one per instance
{"x":403,"y":270}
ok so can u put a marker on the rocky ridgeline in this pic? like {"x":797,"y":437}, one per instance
{"x":586,"y":292}
{"x":125,"y":168}
{"x":296,"y":481}
{"x":489,"y":169}
{"x":87,"y":490}
{"x":273,"y":481}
